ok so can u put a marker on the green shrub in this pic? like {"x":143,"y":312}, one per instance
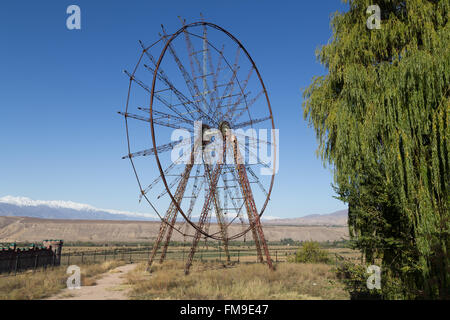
{"x":354,"y":277}
{"x":310,"y":252}
{"x":287,"y":241}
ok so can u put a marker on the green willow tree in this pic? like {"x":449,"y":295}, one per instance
{"x":381,"y":119}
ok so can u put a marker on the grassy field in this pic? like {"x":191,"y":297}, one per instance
{"x":42,"y":284}
{"x":210,"y":278}
{"x":241,"y":281}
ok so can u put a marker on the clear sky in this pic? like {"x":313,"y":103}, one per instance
{"x":60,"y":135}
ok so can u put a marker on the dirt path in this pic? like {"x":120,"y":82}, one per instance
{"x":109,"y":287}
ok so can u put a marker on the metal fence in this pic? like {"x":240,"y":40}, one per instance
{"x":138,"y":254}
{"x":17,"y":262}
{"x":143,"y":254}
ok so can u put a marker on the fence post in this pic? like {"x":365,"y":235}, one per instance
{"x":35,"y":262}
{"x":68,"y":259}
{"x":114,"y":254}
{"x":276,"y":255}
{"x":239,"y":251}
{"x":10,"y":262}
{"x":17,"y":263}
{"x":95,"y":253}
{"x":82,"y":257}
{"x":105,"y":255}
{"x":130,"y":256}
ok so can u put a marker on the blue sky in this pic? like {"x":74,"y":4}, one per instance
{"x":60,"y":136}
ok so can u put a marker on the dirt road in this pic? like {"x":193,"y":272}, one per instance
{"x":109,"y":287}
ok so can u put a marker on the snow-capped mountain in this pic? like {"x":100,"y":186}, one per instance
{"x":22,"y":206}
{"x":26,"y":207}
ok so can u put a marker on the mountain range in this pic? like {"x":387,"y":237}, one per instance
{"x":25,"y":207}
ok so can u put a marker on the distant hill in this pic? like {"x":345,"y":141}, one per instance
{"x":338,"y":218}
{"x":22,"y":229}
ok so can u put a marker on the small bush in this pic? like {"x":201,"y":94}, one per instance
{"x":310,"y":252}
{"x":287,"y":241}
{"x":354,"y":277}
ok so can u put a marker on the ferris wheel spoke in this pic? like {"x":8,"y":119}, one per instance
{"x":237,"y":208}
{"x":255,"y":156}
{"x":233,"y":69}
{"x":251,"y":122}
{"x":155,"y":121}
{"x":248,"y":105}
{"x":234,"y":80}
{"x":214,"y":178}
{"x":228,"y":91}
{"x":237,"y":191}
{"x":230,"y":195}
{"x":217,"y":73}
{"x":163,"y":77}
{"x":193,"y":60}
{"x":221,"y":219}
{"x":196,"y":188}
{"x":189,"y":82}
{"x":162,"y":148}
{"x":211,"y":67}
{"x":257,"y":181}
{"x":184,"y":101}
{"x":171,"y":185}
{"x":158,"y":178}
{"x":146,"y":88}
{"x":185,"y":74}
{"x":195,"y":192}
{"x":231,"y":111}
{"x":252,"y":140}
{"x":162,"y":115}
{"x":219,"y":68}
{"x":185,"y":176}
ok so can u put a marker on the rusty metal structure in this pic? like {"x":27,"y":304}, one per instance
{"x":200,"y":194}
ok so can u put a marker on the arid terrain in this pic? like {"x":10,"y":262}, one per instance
{"x":36,"y":229}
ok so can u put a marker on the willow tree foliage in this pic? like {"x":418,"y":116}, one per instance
{"x":381,"y":119}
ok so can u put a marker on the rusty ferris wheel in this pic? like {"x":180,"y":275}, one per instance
{"x":214,"y":92}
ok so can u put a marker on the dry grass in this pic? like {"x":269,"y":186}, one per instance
{"x":245,"y":281}
{"x":43,"y":284}
{"x":92,"y":272}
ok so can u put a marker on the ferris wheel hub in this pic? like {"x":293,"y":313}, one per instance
{"x":224,"y":126}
